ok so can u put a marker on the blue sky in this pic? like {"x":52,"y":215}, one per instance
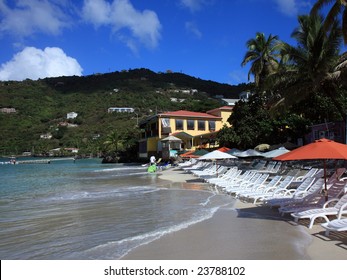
{"x":202,"y":38}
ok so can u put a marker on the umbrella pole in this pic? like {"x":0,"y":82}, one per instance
{"x":325,"y":181}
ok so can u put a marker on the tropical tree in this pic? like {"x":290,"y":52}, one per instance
{"x":251,"y":123}
{"x":114,"y":142}
{"x":312,"y":66}
{"x":339,"y":7}
{"x":263,"y":54}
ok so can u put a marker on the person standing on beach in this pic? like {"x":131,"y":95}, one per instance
{"x":152,"y":160}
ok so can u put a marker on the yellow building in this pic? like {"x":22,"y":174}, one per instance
{"x":194,"y":129}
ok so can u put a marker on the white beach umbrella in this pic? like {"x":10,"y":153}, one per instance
{"x":276,"y":152}
{"x":249,"y":153}
{"x":214,"y":155}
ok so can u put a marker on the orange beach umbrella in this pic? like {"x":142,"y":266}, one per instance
{"x":322,"y":149}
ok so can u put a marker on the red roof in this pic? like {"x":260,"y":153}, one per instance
{"x":223,"y":108}
{"x":183,"y":113}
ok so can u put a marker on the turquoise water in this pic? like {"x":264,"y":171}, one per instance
{"x":88,"y":210}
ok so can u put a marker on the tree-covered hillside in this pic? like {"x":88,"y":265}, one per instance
{"x":42,"y":106}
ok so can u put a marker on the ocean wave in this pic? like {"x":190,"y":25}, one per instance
{"x":120,"y":168}
{"x":119,"y":192}
{"x":118,"y":249}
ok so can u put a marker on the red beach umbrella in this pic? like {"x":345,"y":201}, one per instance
{"x":223,"y":149}
{"x":322,"y":149}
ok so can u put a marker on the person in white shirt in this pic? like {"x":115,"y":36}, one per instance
{"x":152,"y":160}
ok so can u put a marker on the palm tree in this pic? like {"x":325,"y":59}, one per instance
{"x":339,"y":7}
{"x":263,"y":53}
{"x":313,"y":66}
{"x":114,"y":141}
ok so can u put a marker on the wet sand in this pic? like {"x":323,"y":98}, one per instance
{"x":243,"y":232}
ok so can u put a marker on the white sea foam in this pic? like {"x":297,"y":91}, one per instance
{"x":208,"y":200}
{"x":120,"y":168}
{"x":118,"y":249}
{"x":119,"y":192}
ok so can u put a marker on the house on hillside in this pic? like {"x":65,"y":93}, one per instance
{"x":8,"y":110}
{"x":229,"y":101}
{"x":195,"y":129}
{"x":120,"y":110}
{"x":71,"y":115}
{"x":245,"y":95}
{"x":46,"y":136}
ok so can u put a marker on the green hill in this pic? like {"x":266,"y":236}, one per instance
{"x":42,"y":106}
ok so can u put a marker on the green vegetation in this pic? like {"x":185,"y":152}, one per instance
{"x":41,"y":108}
{"x":295,"y":86}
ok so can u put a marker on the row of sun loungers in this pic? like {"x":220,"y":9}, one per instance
{"x":301,"y":196}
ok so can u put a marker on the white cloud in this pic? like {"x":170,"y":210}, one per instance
{"x":192,"y":28}
{"x":30,"y":16}
{"x":193,"y":5}
{"x":238,"y":76}
{"x":144,"y":26}
{"x":33,"y":63}
{"x":288,"y":7}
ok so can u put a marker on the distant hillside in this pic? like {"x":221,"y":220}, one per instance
{"x":41,"y":107}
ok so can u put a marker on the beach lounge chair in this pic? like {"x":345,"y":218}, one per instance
{"x":310,"y":173}
{"x":213,"y":173}
{"x":203,"y":168}
{"x":272,"y":167}
{"x":314,"y":200}
{"x":188,"y":163}
{"x":298,"y":193}
{"x":261,"y":189}
{"x":228,"y":174}
{"x":197,"y":166}
{"x":235,"y":180}
{"x":219,"y":182}
{"x":276,"y":191}
{"x":335,"y":225}
{"x":252,"y":185}
{"x":328,"y":209}
{"x":236,"y":184}
{"x":212,"y":169}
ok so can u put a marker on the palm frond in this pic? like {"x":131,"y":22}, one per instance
{"x":319,"y":5}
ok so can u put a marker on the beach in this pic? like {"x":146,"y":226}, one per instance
{"x":242,"y":232}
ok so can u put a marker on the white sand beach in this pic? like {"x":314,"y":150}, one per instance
{"x":243,"y":232}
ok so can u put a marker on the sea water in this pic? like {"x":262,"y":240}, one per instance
{"x":87,"y":210}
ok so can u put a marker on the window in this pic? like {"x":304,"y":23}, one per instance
{"x":190,"y":124}
{"x":211,"y":125}
{"x":165,"y":122}
{"x":179,"y":124}
{"x":165,"y":126}
{"x":201,"y":125}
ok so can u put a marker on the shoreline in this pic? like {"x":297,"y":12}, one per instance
{"x":265,"y":235}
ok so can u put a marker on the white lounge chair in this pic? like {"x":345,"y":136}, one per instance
{"x":335,"y":225}
{"x":310,"y":173}
{"x":276,"y":191}
{"x":240,"y":185}
{"x":314,"y":200}
{"x":261,"y":189}
{"x":196,"y":166}
{"x":339,"y":209}
{"x":306,"y":187}
{"x":252,"y":185}
{"x":226,"y":175}
{"x":214,"y":172}
{"x":238,"y":179}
